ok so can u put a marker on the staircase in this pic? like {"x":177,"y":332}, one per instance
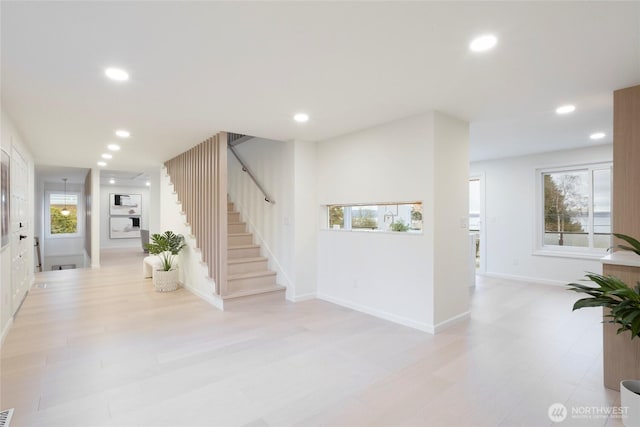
{"x":247,"y":272}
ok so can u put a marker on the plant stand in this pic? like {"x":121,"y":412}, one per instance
{"x":165,"y":281}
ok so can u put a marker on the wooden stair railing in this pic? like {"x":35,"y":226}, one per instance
{"x":199,"y":177}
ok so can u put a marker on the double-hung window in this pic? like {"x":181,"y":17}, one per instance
{"x":575,"y":210}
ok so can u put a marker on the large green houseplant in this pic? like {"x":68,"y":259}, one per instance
{"x":623,"y":304}
{"x":611,"y":292}
{"x":166,"y":246}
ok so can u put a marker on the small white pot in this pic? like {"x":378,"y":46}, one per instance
{"x":165,"y":281}
{"x":630,"y":398}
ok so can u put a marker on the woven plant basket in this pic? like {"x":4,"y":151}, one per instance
{"x":165,"y":281}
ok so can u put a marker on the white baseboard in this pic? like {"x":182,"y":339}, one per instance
{"x":379,"y":313}
{"x":5,"y":330}
{"x":452,"y":321}
{"x":214,"y":300}
{"x":305,"y":297}
{"x":535,"y":280}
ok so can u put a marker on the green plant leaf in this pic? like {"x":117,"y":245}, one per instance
{"x":635,"y":327}
{"x":622,"y":302}
{"x":166,"y":246}
{"x":635,"y":244}
{"x":592,"y":302}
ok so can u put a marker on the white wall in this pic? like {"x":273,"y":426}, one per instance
{"x":510,"y":201}
{"x":9,"y":136}
{"x":105,"y":240}
{"x":307,"y":213}
{"x":154,"y":199}
{"x":451,"y":207}
{"x":95,"y":219}
{"x":272,"y":225}
{"x":394,"y":275}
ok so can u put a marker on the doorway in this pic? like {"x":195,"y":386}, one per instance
{"x":476,"y":220}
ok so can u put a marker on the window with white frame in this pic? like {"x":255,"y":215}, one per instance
{"x":394,"y":217}
{"x":63,"y":214}
{"x":575,"y":205}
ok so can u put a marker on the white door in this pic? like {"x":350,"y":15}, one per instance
{"x":21,"y":235}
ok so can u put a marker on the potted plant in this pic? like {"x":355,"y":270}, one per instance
{"x":166,"y":247}
{"x":623,"y":302}
{"x":613,"y":293}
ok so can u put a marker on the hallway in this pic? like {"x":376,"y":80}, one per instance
{"x":101,"y":348}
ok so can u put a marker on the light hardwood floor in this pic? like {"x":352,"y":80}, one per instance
{"x":101,"y":348}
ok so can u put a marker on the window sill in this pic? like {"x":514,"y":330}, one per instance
{"x":403,"y":233}
{"x":592,"y":256}
{"x":64,"y":236}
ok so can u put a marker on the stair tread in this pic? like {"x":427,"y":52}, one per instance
{"x":246,"y":260}
{"x":235,"y":223}
{"x":238,"y":234}
{"x":248,"y":292}
{"x":251,"y":274}
{"x":243,"y":246}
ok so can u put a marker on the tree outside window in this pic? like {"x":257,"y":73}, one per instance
{"x":577,"y":207}
{"x":61,"y":224}
{"x":565,"y":204}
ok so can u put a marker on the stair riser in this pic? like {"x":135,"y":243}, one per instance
{"x":247,"y":267}
{"x":233,"y":216}
{"x":240,"y":240}
{"x":230,"y":207}
{"x":236,"y":228}
{"x":243,"y":253}
{"x":251,"y":283}
{"x":277,"y":290}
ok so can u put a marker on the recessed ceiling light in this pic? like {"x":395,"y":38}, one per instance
{"x":123,"y":133}
{"x":112,"y":181}
{"x":301,"y":117}
{"x":597,"y":135}
{"x":483,"y":43}
{"x":107,"y":156}
{"x":148,"y":183}
{"x":113,"y":147}
{"x":117,"y":74}
{"x":566,"y":109}
{"x":102,"y":164}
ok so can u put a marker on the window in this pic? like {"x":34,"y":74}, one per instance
{"x":576,"y":209}
{"x":61,"y":225}
{"x":398,"y":217}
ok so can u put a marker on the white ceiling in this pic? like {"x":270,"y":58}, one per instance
{"x":55,"y":174}
{"x":74,"y":175}
{"x":201,"y":67}
{"x":123,"y":178}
